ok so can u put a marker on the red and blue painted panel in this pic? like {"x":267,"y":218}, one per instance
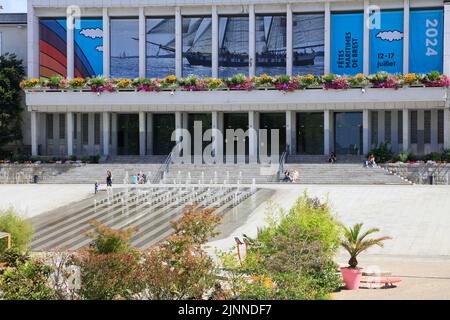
{"x":89,"y":48}
{"x":52,"y":47}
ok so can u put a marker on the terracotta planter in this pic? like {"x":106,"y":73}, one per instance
{"x":352,"y":278}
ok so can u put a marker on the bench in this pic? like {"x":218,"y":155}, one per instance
{"x":384,"y":282}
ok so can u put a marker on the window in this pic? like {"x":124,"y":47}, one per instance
{"x":160,"y":47}
{"x":233,"y":46}
{"x":308,"y":44}
{"x":49,"y":126}
{"x":85,"y":128}
{"x":97,"y":128}
{"x":440,"y":126}
{"x":62,"y":126}
{"x":387,"y":126}
{"x":413,"y":121}
{"x":124,"y":48}
{"x":270,"y":44}
{"x":197,"y":45}
{"x":400,"y":127}
{"x":374,"y":128}
{"x":52,"y":47}
{"x":88,"y":42}
{"x":75,"y":125}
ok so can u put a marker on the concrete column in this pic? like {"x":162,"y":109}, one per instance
{"x":69,"y":133}
{"x":105,"y":133}
{"x":253,"y":129}
{"x":34,"y":133}
{"x":420,"y":132}
{"x":32,"y":42}
{"x":79,"y":134}
{"x":446,"y":128}
{"x":252,"y":40}
{"x":142,"y":145}
{"x":366,"y":66}
{"x":178,"y":43}
{"x":434,"y":131}
{"x":56,"y":139}
{"x":327,"y":132}
{"x":394,"y":131}
{"x":114,"y":133}
{"x":106,"y":44}
{"x":406,"y":130}
{"x":149,"y":133}
{"x":70,"y":47}
{"x":217,"y":123}
{"x":142,"y":42}
{"x":178,"y":125}
{"x":289,"y":42}
{"x":447,"y":39}
{"x":215,"y":42}
{"x":405,"y":36}
{"x":366,"y":131}
{"x":381,"y":124}
{"x":291,"y":132}
{"x":327,"y":48}
{"x":91,"y":134}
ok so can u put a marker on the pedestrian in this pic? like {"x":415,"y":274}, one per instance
{"x":96,"y":187}
{"x":108,"y":179}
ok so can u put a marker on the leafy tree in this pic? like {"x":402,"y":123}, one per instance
{"x":21,"y":230}
{"x":11,"y":73}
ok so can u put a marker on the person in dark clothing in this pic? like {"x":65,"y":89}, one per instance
{"x":108,"y":179}
{"x":332,"y":158}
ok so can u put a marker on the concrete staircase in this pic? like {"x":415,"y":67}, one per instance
{"x":354,"y":159}
{"x":148,"y":209}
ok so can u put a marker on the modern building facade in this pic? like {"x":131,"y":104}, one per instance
{"x":219,"y":38}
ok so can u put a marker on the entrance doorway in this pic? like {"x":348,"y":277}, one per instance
{"x":128,"y":134}
{"x":310,"y":133}
{"x":235,"y":121}
{"x":272,"y":121}
{"x":348,"y":133}
{"x":163,"y":126}
{"x":206,"y":119}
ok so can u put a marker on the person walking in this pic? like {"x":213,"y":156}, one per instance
{"x":108,"y":179}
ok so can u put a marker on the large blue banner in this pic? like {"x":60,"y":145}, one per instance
{"x":386,"y":43}
{"x":347,"y":47}
{"x":426,"y":41}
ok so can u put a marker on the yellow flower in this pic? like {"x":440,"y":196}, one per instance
{"x":410,"y":78}
{"x":309,"y":77}
{"x":360,"y":76}
{"x":171,"y":78}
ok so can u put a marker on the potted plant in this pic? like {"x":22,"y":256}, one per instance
{"x":355,"y":242}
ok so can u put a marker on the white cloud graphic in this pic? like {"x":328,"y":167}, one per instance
{"x":390,"y":35}
{"x":99,"y":48}
{"x":92,"y":33}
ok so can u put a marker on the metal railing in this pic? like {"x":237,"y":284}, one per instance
{"x":165,"y":166}
{"x":428,"y":173}
{"x":282,"y":163}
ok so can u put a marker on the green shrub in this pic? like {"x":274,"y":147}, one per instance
{"x":406,"y":156}
{"x":107,"y":240}
{"x":14,"y":258}
{"x":21,"y":230}
{"x":29,"y":281}
{"x":73,"y":158}
{"x":382,"y":153}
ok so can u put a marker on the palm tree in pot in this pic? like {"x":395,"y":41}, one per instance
{"x":355,"y":242}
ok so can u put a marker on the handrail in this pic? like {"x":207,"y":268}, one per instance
{"x":164,"y":166}
{"x":282,"y":162}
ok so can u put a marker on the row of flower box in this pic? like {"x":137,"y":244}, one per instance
{"x":239,"y":82}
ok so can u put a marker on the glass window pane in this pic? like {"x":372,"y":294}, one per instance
{"x":89,"y":48}
{"x":270,"y":45}
{"x":308,"y":44}
{"x":197,"y":45}
{"x":348,"y":133}
{"x":233,"y":46}
{"x":160,"y":47}
{"x":52,"y":47}
{"x":124,"y":48}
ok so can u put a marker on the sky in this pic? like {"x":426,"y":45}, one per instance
{"x":13,"y":6}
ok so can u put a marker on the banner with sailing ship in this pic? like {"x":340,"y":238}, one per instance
{"x":233,"y":46}
{"x":160,"y":47}
{"x":197,"y":46}
{"x":347,"y":46}
{"x":426,"y":40}
{"x":89,"y":48}
{"x":386,"y":43}
{"x":308,"y":44}
{"x":124,"y":61}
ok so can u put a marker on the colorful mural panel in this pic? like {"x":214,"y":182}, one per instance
{"x":52,"y":48}
{"x":426,"y":41}
{"x":347,"y":43}
{"x":386,"y":43}
{"x":309,"y":44}
{"x":89,"y":48}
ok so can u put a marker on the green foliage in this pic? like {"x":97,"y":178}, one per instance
{"x":434,"y":156}
{"x":11,"y":74}
{"x":21,"y":230}
{"x":28,"y":281}
{"x":107,"y":240}
{"x":292,"y":258}
{"x":355,"y":242}
{"x":405,"y":156}
{"x":14,"y":258}
{"x":237,"y":79}
{"x":382,"y":153}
